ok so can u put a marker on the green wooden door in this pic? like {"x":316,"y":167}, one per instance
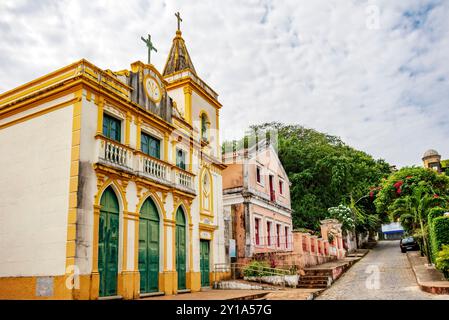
{"x":181,"y":248}
{"x":149,"y":247}
{"x":108,"y":240}
{"x":204,"y":263}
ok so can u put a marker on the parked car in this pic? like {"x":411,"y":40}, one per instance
{"x":408,"y":243}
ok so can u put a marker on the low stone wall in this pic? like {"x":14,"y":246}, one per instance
{"x":238,"y":285}
{"x":287,"y":280}
{"x":307,"y":251}
{"x":291,"y":259}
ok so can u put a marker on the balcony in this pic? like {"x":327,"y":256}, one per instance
{"x":153,"y":168}
{"x":183,"y":180}
{"x":119,"y":156}
{"x":114,"y":153}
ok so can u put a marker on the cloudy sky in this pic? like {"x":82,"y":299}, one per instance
{"x":375,"y":73}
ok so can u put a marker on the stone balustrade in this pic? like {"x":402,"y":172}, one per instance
{"x":183,"y":179}
{"x":115,"y":154}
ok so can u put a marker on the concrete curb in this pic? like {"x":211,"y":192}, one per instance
{"x":434,"y":287}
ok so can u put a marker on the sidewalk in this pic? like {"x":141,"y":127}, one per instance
{"x":215,"y":295}
{"x":429,"y":279}
{"x":223,"y":294}
{"x":334,"y":268}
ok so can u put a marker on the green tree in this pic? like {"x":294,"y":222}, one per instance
{"x":402,"y":183}
{"x":412,"y":210}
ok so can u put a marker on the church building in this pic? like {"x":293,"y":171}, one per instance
{"x":111,"y":182}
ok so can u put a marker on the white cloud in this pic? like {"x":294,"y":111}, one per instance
{"x":315,"y":63}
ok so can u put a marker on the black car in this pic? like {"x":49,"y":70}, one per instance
{"x":408,"y":243}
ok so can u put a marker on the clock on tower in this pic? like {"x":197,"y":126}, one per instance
{"x":152,"y":88}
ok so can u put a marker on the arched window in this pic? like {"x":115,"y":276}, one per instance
{"x":181,"y":159}
{"x":204,"y":127}
{"x":206,"y":192}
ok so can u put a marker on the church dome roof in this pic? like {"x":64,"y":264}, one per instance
{"x":430,"y":153}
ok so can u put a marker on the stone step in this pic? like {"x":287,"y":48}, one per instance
{"x":257,"y":296}
{"x":311,"y":286}
{"x":313,"y":278}
{"x":318,"y":272}
{"x":314,"y":282}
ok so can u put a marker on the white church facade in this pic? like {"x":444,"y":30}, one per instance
{"x":110,"y":182}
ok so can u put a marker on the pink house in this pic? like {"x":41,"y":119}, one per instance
{"x":256,"y":203}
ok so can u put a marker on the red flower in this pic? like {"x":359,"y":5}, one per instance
{"x":398,"y":184}
{"x":398,"y":191}
{"x":408,"y":177}
{"x":371,"y":194}
{"x":435,"y":196}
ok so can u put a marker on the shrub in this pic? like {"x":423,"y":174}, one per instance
{"x":442,"y":260}
{"x":439,"y":234}
{"x":262,"y":269}
{"x":256,"y":269}
{"x":434,"y":213}
{"x":344,"y":215}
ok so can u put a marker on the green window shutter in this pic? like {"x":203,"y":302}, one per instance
{"x":150,"y":145}
{"x":111,"y":127}
{"x":180,"y":159}
{"x":155,"y":148}
{"x":144,"y":143}
{"x":204,"y":127}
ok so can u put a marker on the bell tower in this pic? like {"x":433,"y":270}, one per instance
{"x":196,"y":102}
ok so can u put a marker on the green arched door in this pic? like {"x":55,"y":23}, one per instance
{"x":108,"y":240}
{"x":181,"y":248}
{"x":149,"y":247}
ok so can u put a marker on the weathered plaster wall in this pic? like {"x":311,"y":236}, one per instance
{"x":35,"y":165}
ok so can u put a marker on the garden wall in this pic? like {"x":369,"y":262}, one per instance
{"x":308,"y":251}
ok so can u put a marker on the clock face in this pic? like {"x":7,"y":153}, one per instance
{"x":152,"y":89}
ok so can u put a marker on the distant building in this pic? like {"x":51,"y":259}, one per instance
{"x":392,"y":231}
{"x":432,"y":160}
{"x":256,"y":203}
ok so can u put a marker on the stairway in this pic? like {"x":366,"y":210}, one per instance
{"x":315,"y":279}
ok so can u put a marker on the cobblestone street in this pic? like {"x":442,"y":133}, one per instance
{"x":384,"y":274}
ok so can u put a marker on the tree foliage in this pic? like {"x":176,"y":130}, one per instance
{"x":324,"y":172}
{"x":409,"y":196}
{"x":402,"y":184}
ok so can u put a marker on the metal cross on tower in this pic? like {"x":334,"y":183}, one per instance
{"x":150,"y":46}
{"x":178,"y":16}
